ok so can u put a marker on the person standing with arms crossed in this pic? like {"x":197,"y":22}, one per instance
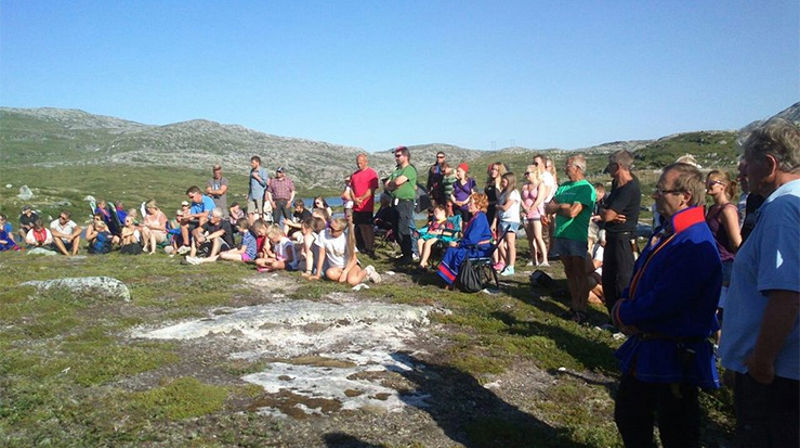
{"x":364,"y":182}
{"x":620,"y":213}
{"x":401,"y":186}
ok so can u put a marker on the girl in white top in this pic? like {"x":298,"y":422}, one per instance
{"x":282,"y":256}
{"x":337,"y":255}
{"x":507,"y":221}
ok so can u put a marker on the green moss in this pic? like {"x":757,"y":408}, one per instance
{"x":180,"y":398}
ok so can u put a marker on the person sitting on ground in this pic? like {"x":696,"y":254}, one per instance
{"x":119,"y":208}
{"x":299,"y":214}
{"x":217,"y":236}
{"x":39,"y":236}
{"x":199,"y":213}
{"x":235,"y":213}
{"x":595,"y":270}
{"x":476,"y":241}
{"x":174,"y":230}
{"x":321,"y":204}
{"x":337,"y":256}
{"x":66,"y":234}
{"x":26,"y":220}
{"x":99,"y":237}
{"x":109,"y":216}
{"x":385,"y":215}
{"x":248,"y":251}
{"x":154,"y":227}
{"x":283,"y":255}
{"x":130,"y":237}
{"x":431,"y":234}
{"x":6,"y":235}
{"x":311,"y":229}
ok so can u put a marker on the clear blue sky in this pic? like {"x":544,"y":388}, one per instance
{"x":376,"y":74}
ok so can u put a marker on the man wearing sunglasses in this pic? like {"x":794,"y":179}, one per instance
{"x":402,"y":186}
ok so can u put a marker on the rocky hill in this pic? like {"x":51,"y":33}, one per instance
{"x":52,"y":137}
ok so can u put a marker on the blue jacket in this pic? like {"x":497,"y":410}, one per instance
{"x":672,"y":301}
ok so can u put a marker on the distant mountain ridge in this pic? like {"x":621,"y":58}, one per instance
{"x":53,"y":137}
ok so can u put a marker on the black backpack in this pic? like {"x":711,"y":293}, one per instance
{"x":470,"y":277}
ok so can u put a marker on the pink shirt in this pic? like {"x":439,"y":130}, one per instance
{"x":159,"y":219}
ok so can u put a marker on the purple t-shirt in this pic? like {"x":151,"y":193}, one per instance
{"x":462,"y":191}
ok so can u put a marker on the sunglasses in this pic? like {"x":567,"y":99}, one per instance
{"x":662,"y":192}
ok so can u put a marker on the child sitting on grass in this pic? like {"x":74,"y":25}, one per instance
{"x":430,"y":234}
{"x":99,"y":237}
{"x":282,"y":256}
{"x":310,"y":231}
{"x":248,"y":251}
{"x":337,"y":259}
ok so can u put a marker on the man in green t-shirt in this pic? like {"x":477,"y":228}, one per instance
{"x":402,"y":186}
{"x":572,"y":205}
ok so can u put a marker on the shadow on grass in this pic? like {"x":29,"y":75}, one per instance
{"x":342,"y":440}
{"x":547,"y":298}
{"x":594,"y":355}
{"x":472,"y":415}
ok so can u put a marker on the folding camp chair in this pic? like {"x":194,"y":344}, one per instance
{"x":486,"y":263}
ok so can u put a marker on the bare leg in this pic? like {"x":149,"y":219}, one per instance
{"x":356,"y":275}
{"x":60,"y":246}
{"x":537,"y":231}
{"x":511,"y":240}
{"x":76,"y":244}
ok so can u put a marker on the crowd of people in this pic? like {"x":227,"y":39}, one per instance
{"x":734,"y":263}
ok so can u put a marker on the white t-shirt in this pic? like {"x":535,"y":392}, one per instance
{"x":282,"y":250}
{"x":66,"y":229}
{"x":597,"y":255}
{"x":335,"y":248}
{"x":512,"y":214}
{"x":550,"y":183}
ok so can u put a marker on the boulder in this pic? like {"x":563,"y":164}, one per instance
{"x":25,"y":193}
{"x":39,"y":251}
{"x":95,"y":286}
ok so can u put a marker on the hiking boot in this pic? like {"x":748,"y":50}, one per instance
{"x":183,"y":250}
{"x":372,"y":274}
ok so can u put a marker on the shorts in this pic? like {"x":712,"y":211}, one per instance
{"x":505,"y":226}
{"x":255,"y":206}
{"x":69,"y":245}
{"x":570,"y":248}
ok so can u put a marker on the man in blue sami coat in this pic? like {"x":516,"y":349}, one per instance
{"x":668,"y":311}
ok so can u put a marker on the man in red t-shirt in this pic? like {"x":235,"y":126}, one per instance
{"x":364,"y":184}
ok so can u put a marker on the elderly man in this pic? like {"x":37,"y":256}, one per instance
{"x":760,"y":336}
{"x":281,"y":194}
{"x":402,"y":186}
{"x":620,"y":213}
{"x":668,"y":311}
{"x":364,"y":183}
{"x":572,"y":205}
{"x":217,"y":189}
